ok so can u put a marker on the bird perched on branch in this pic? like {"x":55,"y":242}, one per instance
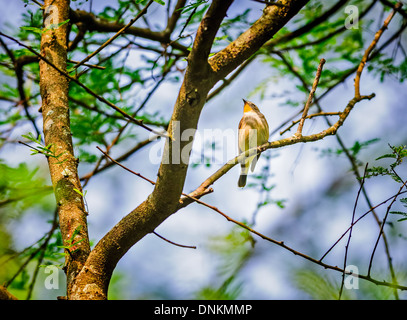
{"x":253,"y":132}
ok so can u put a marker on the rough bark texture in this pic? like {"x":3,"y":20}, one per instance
{"x":272,"y":20}
{"x":57,"y":135}
{"x":201,"y":75}
{"x":5,"y":295}
{"x":171,"y":176}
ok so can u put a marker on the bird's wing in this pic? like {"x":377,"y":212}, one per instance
{"x":262,"y":137}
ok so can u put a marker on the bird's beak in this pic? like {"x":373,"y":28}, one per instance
{"x":244,"y":101}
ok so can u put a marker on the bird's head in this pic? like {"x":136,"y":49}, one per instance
{"x":249,"y":106}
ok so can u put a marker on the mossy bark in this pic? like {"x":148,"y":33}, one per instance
{"x":57,"y":135}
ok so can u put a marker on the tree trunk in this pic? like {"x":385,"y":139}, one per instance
{"x":89,"y":272}
{"x":58,"y":138}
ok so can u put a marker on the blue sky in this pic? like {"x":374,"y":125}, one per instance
{"x":310,"y":222}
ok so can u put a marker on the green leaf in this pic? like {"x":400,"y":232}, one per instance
{"x":160,"y":2}
{"x":54,"y":26}
{"x":77,"y":242}
{"x":78,"y":191}
{"x":230,"y":289}
{"x":22,"y":187}
{"x":193,"y":6}
{"x":33,"y":29}
{"x":404,"y":214}
{"x":389,"y":155}
{"x":60,"y":253}
{"x":280,"y":203}
{"x":318,"y":286}
{"x":30,"y":136}
{"x":76,"y":232}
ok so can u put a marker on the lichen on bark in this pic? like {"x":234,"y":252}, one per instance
{"x":62,"y":163}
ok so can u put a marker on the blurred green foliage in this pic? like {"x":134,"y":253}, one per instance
{"x":25,"y":189}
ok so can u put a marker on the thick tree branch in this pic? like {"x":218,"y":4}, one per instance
{"x":206,"y":34}
{"x":332,"y":130}
{"x":367,"y":277}
{"x":229,"y":80}
{"x":277,"y":144}
{"x":342,"y":79}
{"x":339,"y":139}
{"x":201,"y":76}
{"x":164,"y":200}
{"x":371,"y":47}
{"x":190,"y":101}
{"x":336,"y":32}
{"x":93,"y":23}
{"x":273,"y":18}
{"x":309,"y":26}
{"x":87,"y":89}
{"x":118,"y":33}
{"x":172,"y":21}
{"x":6,"y":295}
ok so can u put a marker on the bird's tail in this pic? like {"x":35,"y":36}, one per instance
{"x":243,"y":176}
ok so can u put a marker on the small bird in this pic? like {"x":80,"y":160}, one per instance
{"x":253,"y":132}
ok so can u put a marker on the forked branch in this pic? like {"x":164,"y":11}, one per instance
{"x":300,"y":138}
{"x":310,"y":98}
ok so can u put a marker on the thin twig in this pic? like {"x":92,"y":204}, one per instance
{"x":342,"y":79}
{"x":382,"y":226}
{"x":372,"y":208}
{"x":141,"y":144}
{"x":91,"y":92}
{"x":42,"y":255}
{"x":395,"y":7}
{"x":117,"y":137}
{"x":270,"y":3}
{"x":350,"y":231}
{"x":175,"y":244}
{"x":104,"y":59}
{"x":125,"y":168}
{"x":279,"y":243}
{"x":120,"y":158}
{"x":329,"y":35}
{"x":122,"y":30}
{"x":371,"y":47}
{"x":229,"y":80}
{"x":94,"y":66}
{"x":33,"y":148}
{"x":35,"y":252}
{"x":282,"y":244}
{"x":310,"y":97}
{"x":18,"y":69}
{"x":310,"y":116}
{"x":349,"y":156}
{"x":38,"y":3}
{"x":148,"y":180}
